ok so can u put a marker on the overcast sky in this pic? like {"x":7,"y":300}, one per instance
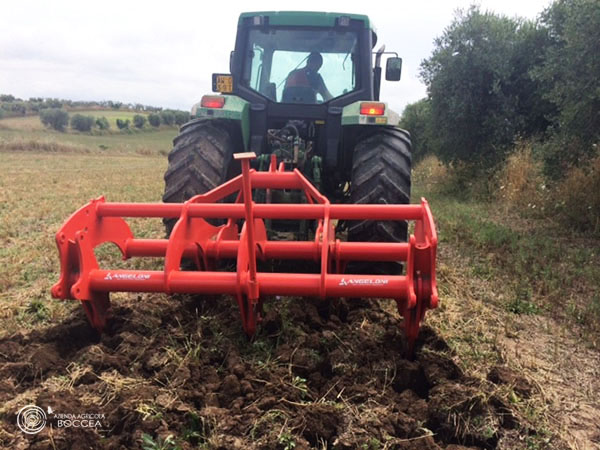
{"x":163,"y":53}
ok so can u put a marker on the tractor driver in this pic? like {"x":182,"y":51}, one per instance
{"x":308,"y":76}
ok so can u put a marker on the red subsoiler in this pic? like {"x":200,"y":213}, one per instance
{"x":194,"y":238}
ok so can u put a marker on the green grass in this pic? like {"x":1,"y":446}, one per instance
{"x":534,"y":266}
{"x":168,"y":443}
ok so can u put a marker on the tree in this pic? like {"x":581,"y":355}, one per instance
{"x":123,"y":124}
{"x":53,"y":103}
{"x":167,"y":117}
{"x":19,"y":108}
{"x":475,"y":87}
{"x":416,"y":119}
{"x":139,"y":121}
{"x":102,"y":123}
{"x":82,"y":123}
{"x":570,"y":73}
{"x":55,"y":117}
{"x":181,"y":117}
{"x":154,"y":120}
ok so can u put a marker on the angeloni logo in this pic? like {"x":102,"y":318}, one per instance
{"x":127,"y":276}
{"x":363,"y":281}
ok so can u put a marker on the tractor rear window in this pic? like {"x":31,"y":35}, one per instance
{"x":301,"y":66}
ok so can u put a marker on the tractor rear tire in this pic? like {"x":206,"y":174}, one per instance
{"x":199,"y":161}
{"x":381,"y":169}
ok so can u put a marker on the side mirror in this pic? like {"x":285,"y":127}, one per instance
{"x":393,"y":69}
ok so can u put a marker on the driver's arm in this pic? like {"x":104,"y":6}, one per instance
{"x":322,"y":89}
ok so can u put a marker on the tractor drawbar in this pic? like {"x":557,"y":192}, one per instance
{"x":194,"y":238}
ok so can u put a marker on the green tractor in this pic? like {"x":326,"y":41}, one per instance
{"x":304,"y":86}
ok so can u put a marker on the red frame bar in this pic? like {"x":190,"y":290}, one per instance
{"x":338,"y":285}
{"x":347,"y":251}
{"x":262,"y":211}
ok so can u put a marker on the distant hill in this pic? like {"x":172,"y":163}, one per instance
{"x":11,"y":106}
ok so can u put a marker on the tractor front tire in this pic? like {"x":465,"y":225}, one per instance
{"x":199,"y":161}
{"x":381,"y":169}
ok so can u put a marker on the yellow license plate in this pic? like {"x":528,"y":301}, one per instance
{"x":222,"y":83}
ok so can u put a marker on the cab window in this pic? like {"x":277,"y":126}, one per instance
{"x":277,"y":55}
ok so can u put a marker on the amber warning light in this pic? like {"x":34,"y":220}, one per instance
{"x":372,"y":109}
{"x":212,"y":101}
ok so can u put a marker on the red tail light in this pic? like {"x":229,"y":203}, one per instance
{"x":372,"y":108}
{"x":212,"y":101}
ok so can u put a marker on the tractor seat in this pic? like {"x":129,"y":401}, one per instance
{"x":299,"y":94}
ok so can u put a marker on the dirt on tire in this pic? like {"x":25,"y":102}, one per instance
{"x":178,"y":372}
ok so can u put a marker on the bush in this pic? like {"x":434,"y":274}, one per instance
{"x":139,"y":121}
{"x":123,"y":124}
{"x":416,"y":119}
{"x":460,"y":181}
{"x":520,"y":182}
{"x":431,"y":173}
{"x":167,"y":117}
{"x":181,"y":117}
{"x":102,"y":123}
{"x":577,"y":199}
{"x":55,"y":118}
{"x":19,"y":108}
{"x":53,"y":103}
{"x":560,"y":152}
{"x":83,"y":123}
{"x":154,"y":120}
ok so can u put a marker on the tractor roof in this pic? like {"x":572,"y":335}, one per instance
{"x":305,"y":18}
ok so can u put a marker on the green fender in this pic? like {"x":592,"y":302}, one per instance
{"x":351,"y":116}
{"x":235,"y":109}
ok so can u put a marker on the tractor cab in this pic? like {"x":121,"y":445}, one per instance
{"x":272,"y":46}
{"x":308,"y":72}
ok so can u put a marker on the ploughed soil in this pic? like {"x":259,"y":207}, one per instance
{"x":178,"y":372}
